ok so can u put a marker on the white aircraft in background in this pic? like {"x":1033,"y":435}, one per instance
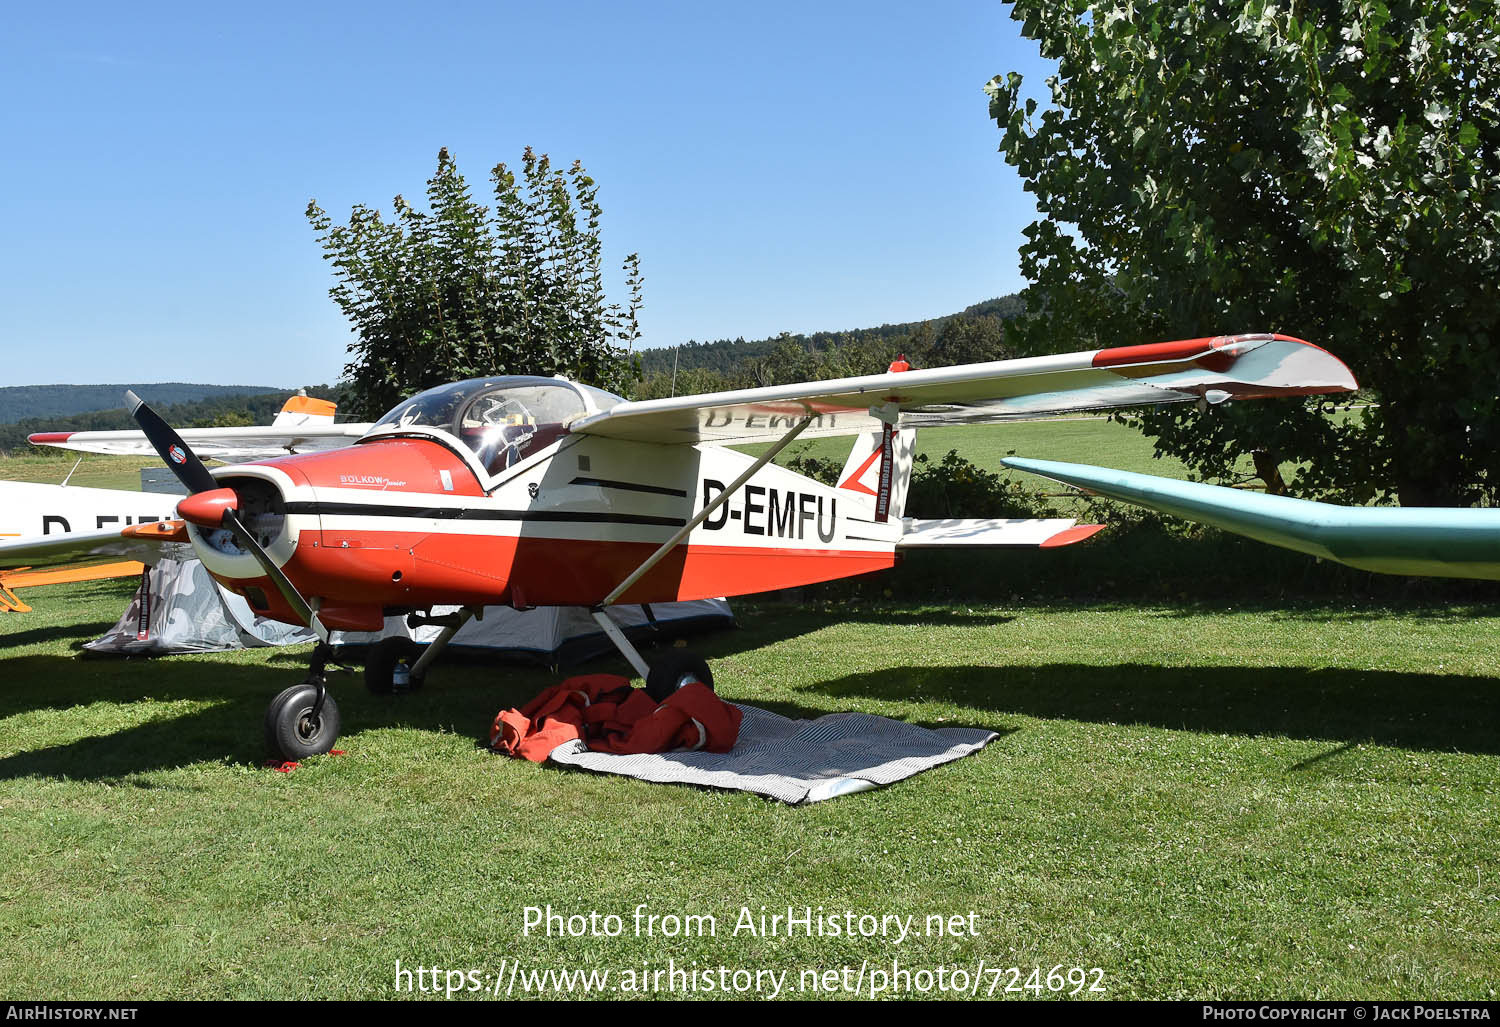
{"x":304,"y":425}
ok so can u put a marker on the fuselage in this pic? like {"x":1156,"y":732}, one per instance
{"x":412,"y":517}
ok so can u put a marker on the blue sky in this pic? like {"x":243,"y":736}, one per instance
{"x":779,"y":167}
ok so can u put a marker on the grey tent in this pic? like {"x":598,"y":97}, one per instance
{"x":179,"y":608}
{"x":558,"y":636}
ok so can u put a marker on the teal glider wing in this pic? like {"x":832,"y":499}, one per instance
{"x":1435,"y":541}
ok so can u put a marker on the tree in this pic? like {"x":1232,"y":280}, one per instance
{"x":463,"y":291}
{"x":1325,"y":168}
{"x":967,"y":340}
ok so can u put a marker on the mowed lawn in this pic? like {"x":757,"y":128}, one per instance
{"x":1199,"y":799}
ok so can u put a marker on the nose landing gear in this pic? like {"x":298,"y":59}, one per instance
{"x":303,"y":720}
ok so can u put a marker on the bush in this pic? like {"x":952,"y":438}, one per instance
{"x":958,"y":488}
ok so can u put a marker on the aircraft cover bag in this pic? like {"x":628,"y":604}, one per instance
{"x":603,"y":712}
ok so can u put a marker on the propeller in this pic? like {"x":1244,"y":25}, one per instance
{"x":191,"y":471}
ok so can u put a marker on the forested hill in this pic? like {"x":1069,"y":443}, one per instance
{"x":971,"y":336}
{"x":724,"y":355}
{"x":20,"y":402}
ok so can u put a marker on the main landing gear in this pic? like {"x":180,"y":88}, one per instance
{"x":388,"y":666}
{"x":678,"y":667}
{"x":675,"y":669}
{"x":400,"y":664}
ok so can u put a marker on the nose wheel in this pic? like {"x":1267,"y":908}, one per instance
{"x":303,"y":720}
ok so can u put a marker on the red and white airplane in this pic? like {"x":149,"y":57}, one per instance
{"x":540,"y":491}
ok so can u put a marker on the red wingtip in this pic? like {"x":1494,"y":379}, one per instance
{"x":1155,"y":352}
{"x":47,"y":438}
{"x":1077,"y":533}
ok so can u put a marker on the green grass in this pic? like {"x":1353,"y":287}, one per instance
{"x":51,"y":466}
{"x":1201,"y":800}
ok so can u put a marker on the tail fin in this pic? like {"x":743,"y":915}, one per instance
{"x":303,"y":410}
{"x":879,"y":465}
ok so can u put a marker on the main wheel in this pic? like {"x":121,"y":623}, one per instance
{"x":675,"y":669}
{"x":383,"y":660}
{"x":292,"y":732}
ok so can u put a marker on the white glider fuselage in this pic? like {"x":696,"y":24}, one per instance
{"x":64,"y":513}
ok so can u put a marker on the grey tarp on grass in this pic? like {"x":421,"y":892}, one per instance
{"x":187,"y":612}
{"x":797,"y":761}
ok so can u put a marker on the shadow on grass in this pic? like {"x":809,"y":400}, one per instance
{"x":1435,"y":712}
{"x":1408,"y":710}
{"x":76,"y":633}
{"x":463,"y":694}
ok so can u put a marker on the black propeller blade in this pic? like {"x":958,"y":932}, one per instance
{"x":182,"y":460}
{"x":277,"y":575}
{"x":193,"y":474}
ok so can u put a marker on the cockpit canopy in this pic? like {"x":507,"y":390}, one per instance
{"x":501,"y":420}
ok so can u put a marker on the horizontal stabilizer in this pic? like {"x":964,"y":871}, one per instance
{"x":302,"y":411}
{"x":965,"y":533}
{"x":1436,"y":541}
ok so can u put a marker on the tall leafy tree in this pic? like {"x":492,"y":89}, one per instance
{"x":463,"y":290}
{"x":1325,"y":168}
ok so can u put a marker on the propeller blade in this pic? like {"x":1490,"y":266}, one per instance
{"x":169,"y":445}
{"x":191,"y":472}
{"x":283,"y":584}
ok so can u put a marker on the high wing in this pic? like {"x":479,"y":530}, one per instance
{"x":234,"y":445}
{"x":1212,"y":369}
{"x":1441,"y":542}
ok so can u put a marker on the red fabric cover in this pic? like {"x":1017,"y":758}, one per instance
{"x":610,"y":716}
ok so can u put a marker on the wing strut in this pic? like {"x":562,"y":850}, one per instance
{"x":603,"y":618}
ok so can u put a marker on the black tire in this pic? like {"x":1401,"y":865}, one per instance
{"x":675,"y":669}
{"x":291,"y":733}
{"x":380,"y":664}
{"x":272,"y":712}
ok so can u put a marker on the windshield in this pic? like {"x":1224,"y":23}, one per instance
{"x":502,"y":420}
